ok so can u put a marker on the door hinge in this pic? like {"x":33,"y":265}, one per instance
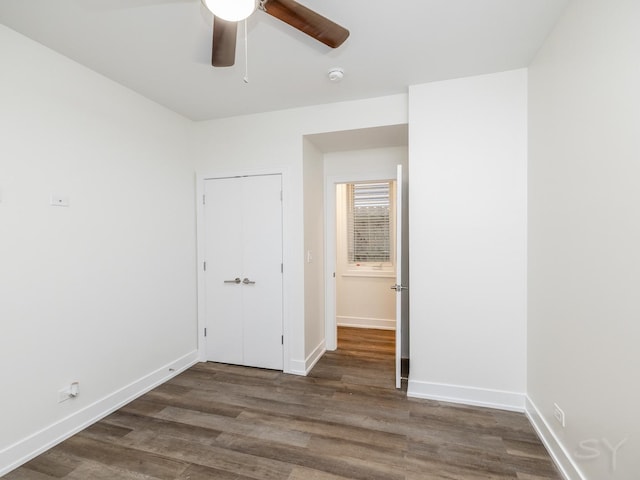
{"x":205,"y":332}
{"x":334,"y":274}
{"x":282,"y":268}
{"x":203,"y":199}
{"x":280,"y":195}
{"x":204,"y":266}
{"x":281,"y":339}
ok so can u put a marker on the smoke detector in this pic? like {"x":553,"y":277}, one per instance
{"x":336,"y":74}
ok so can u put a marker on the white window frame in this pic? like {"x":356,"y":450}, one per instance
{"x":368,"y":269}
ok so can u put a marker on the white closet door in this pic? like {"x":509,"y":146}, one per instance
{"x":262,"y":301}
{"x":243,"y":218}
{"x":223,"y":251}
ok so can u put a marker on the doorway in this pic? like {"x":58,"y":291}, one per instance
{"x":342,"y":157}
{"x":368,"y":287}
{"x":365,"y":254}
{"x":365,"y":262}
{"x":243,"y":270}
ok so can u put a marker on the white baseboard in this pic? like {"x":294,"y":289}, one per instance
{"x":364,"y":322}
{"x":296,"y":367}
{"x":554,"y":446}
{"x":24,"y":450}
{"x":314,"y":356}
{"x":303,"y":367}
{"x":481,"y":397}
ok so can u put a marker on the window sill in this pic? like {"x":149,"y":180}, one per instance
{"x":370,"y":274}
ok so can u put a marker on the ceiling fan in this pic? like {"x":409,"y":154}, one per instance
{"x":289,"y":11}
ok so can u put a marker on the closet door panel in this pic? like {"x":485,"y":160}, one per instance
{"x":243,"y":250}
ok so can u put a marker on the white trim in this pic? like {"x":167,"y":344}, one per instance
{"x":297,"y":367}
{"x":363,"y":322}
{"x":370,"y":274}
{"x":303,"y":367}
{"x":314,"y":356}
{"x":481,"y":397}
{"x":200,"y":290}
{"x":289,"y":365}
{"x":557,"y":451}
{"x":24,"y":450}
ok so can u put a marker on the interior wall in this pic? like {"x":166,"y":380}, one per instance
{"x":584,"y":232}
{"x":103,"y":291}
{"x":313,"y":252}
{"x":260,"y":142}
{"x":467,"y":156}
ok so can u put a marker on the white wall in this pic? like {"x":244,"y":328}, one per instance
{"x":274,"y":140}
{"x":584,"y":233}
{"x":381,"y":161}
{"x":101,"y":292}
{"x":467,"y":157}
{"x":314,"y":253}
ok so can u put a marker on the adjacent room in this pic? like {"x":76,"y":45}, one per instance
{"x":319,"y":239}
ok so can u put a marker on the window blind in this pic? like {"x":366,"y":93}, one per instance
{"x":368,"y":227}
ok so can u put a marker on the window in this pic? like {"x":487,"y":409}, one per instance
{"x":368,"y":222}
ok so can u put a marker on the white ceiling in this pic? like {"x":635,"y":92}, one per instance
{"x":162,"y":48}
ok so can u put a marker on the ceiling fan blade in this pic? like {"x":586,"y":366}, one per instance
{"x":307,"y":21}
{"x":223,"y":53}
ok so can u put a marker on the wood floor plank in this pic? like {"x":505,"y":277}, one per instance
{"x":25,"y":473}
{"x":151,"y":425}
{"x":99,"y":471}
{"x":333,"y":431}
{"x":211,"y":456}
{"x":384,"y":458}
{"x":302,"y":473}
{"x":343,"y":421}
{"x":126,"y":458}
{"x":198,"y":472}
{"x":53,"y":464}
{"x":240,"y":425}
{"x":336,"y":465}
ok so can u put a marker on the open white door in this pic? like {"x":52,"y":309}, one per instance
{"x":399,"y":287}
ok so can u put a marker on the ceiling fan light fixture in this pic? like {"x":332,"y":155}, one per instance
{"x":231,"y":10}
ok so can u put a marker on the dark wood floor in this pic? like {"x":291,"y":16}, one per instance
{"x":344,"y":421}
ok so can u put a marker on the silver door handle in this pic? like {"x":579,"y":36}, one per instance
{"x":236,"y":280}
{"x":246,"y":281}
{"x":398,"y":288}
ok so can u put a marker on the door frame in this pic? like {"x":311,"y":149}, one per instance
{"x":287,"y":259}
{"x":330,"y":246}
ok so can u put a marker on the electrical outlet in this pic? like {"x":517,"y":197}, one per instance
{"x":71,"y":391}
{"x":558,"y":413}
